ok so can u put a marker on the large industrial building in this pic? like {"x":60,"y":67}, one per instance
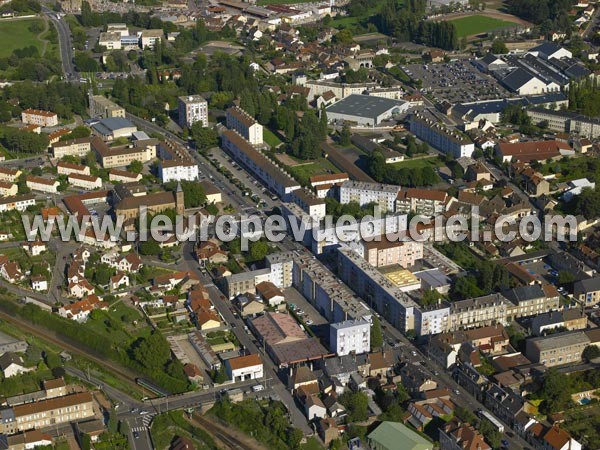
{"x":366,"y":110}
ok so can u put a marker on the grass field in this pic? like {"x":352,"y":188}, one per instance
{"x":432,"y":161}
{"x":270,"y":138}
{"x":468,"y":26}
{"x":15,"y":34}
{"x":302,"y":173}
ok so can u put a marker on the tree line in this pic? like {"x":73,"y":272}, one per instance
{"x":382,"y":172}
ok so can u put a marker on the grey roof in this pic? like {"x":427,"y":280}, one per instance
{"x":7,"y":339}
{"x":343,"y":364}
{"x":9,"y":358}
{"x":523,"y":293}
{"x":547,"y":98}
{"x":348,"y":324}
{"x":489,"y":58}
{"x":560,"y":340}
{"x":364,"y":106}
{"x":433,"y":277}
{"x":588,"y":285}
{"x":556,"y":317}
{"x":547,"y":48}
{"x":110,"y":125}
{"x":517,"y":78}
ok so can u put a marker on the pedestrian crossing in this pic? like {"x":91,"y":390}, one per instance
{"x":139,"y":429}
{"x":147,"y":419}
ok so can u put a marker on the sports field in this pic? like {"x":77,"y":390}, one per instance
{"x":15,"y":34}
{"x":468,"y":26}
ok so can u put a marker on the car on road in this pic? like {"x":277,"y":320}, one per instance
{"x":413,"y":353}
{"x":456,"y":391}
{"x":134,"y":410}
{"x":142,"y":413}
{"x":504,"y":443}
{"x":309,"y":322}
{"x":136,"y":435}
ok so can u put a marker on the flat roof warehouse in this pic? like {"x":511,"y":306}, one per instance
{"x":366,"y":106}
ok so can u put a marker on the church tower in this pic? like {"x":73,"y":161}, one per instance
{"x":179,"y":200}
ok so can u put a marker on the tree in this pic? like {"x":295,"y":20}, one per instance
{"x":102,"y":274}
{"x":431,"y":297}
{"x":204,"y":138}
{"x":76,"y":133}
{"x":590,"y":352}
{"x":345,"y":136}
{"x":499,"y":47}
{"x":376,"y":334}
{"x":150,"y":247}
{"x":491,"y":434}
{"x":258,"y":251}
{"x":135,"y":166}
{"x":152,"y":352}
{"x":356,"y":404}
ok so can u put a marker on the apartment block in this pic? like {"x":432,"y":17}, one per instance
{"x":267,"y":171}
{"x":104,"y":108}
{"x":9,"y":175}
{"x":557,"y":349}
{"x":149,"y":38}
{"x":242,"y":122}
{"x":109,"y":157}
{"x":384,"y":195}
{"x":281,"y":265}
{"x":74,"y":147}
{"x":425,"y":202}
{"x":587,"y":291}
{"x":47,"y":185}
{"x":381,"y":252}
{"x":46,"y":413}
{"x":311,"y":205}
{"x":17,"y":202}
{"x":65,"y":168}
{"x":350,"y":337}
{"x":39,"y":117}
{"x":478,"y":312}
{"x":88,"y":182}
{"x":192,"y":109}
{"x":8,"y":189}
{"x":441,"y":137}
{"x":178,"y":170}
{"x":243,"y":282}
{"x":378,"y":291}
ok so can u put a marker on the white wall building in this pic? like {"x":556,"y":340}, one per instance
{"x":242,"y":122}
{"x":363,"y":193}
{"x":192,"y":109}
{"x":249,"y":367}
{"x":178,"y":170}
{"x":441,"y":137}
{"x":350,"y":336}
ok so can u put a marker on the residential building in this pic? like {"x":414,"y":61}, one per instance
{"x":121,"y":156}
{"x":110,"y":40}
{"x":9,"y":175}
{"x":478,"y":312}
{"x":242,"y":122}
{"x":532,"y":300}
{"x":270,"y":293}
{"x":425,"y":202}
{"x":104,"y":108}
{"x":12,"y":365}
{"x":39,"y":117}
{"x":149,"y":38}
{"x":8,"y":189}
{"x":39,"y":283}
{"x":85,"y":181}
{"x":242,"y":368}
{"x":47,"y":185}
{"x":74,"y":147}
{"x":587,"y":291}
{"x":123,"y":176}
{"x":281,"y":265}
{"x":533,"y":151}
{"x":440,"y":136}
{"x":177,"y":170}
{"x":383,"y":195}
{"x":383,"y":252}
{"x":81,"y":309}
{"x":557,"y":349}
{"x":311,"y":205}
{"x":66,"y":168}
{"x":268,"y":172}
{"x":350,"y":337}
{"x":17,"y":202}
{"x":11,"y":344}
{"x":388,"y":435}
{"x":213,"y":195}
{"x":243,"y":282}
{"x":47,"y":413}
{"x":570,"y":319}
{"x":192,"y":109}
{"x":455,"y":435}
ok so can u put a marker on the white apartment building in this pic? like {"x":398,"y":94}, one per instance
{"x":281,"y":265}
{"x":9,"y":175}
{"x":39,"y":117}
{"x":364,"y":193}
{"x":149,"y":38}
{"x":7,"y":189}
{"x":270,"y":174}
{"x":50,"y":186}
{"x":441,"y":137}
{"x":85,"y":181}
{"x":178,"y":170}
{"x":192,"y":109}
{"x":242,"y":122}
{"x":17,"y":202}
{"x":110,"y":40}
{"x":350,"y":336}
{"x":311,"y":205}
{"x":426,"y":202}
{"x":74,"y":147}
{"x":65,"y":168}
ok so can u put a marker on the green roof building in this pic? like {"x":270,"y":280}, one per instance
{"x":396,"y":436}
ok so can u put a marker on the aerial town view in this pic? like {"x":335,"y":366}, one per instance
{"x":300,"y":224}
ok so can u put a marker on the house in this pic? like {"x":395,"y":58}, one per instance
{"x":119,"y":280}
{"x":39,"y":283}
{"x":455,"y":435}
{"x":242,"y":368}
{"x":193,"y":373}
{"x":209,"y":252}
{"x":81,"y":309}
{"x":34,"y":248}
{"x":327,"y":430}
{"x":415,"y":380}
{"x":587,"y":291}
{"x":532,"y":151}
{"x":213,"y":195}
{"x":80,"y":288}
{"x":270,"y":293}
{"x":313,"y":407}
{"x":248,"y":305}
{"x":11,"y":272}
{"x":388,"y":435}
{"x":12,"y":364}
{"x":7,"y":189}
{"x":47,"y":185}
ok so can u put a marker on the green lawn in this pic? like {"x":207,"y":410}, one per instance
{"x":312,"y":443}
{"x":166,"y":426}
{"x":15,"y":34}
{"x":270,"y":138}
{"x":467,"y":26}
{"x":415,"y":163}
{"x":303,"y":172}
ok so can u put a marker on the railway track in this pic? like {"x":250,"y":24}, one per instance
{"x":62,"y":342}
{"x":217,"y":431}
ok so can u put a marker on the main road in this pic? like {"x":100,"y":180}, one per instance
{"x":65,"y":44}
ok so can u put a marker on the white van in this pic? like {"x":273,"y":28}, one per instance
{"x":258,"y":388}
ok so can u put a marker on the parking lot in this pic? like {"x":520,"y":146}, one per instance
{"x":456,"y":82}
